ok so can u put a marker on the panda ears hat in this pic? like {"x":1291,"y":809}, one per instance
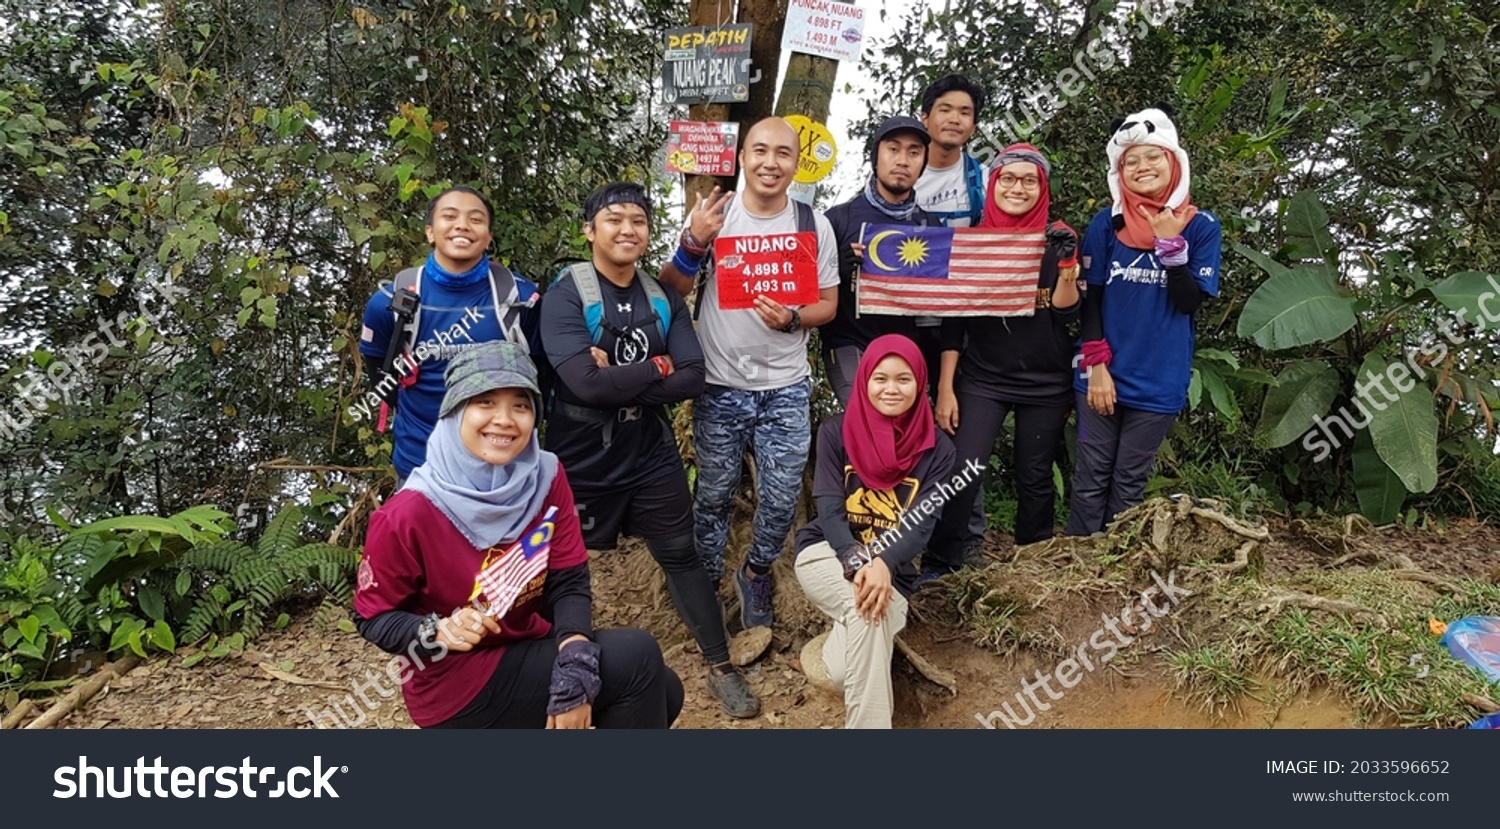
{"x":1149,"y":126}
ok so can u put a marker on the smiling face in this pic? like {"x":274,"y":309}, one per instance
{"x":1146,"y":170}
{"x":899,"y":162}
{"x":497,"y":424}
{"x":951,"y":120}
{"x":769,"y":159}
{"x":459,"y":231}
{"x":619,"y":234}
{"x":1018,"y":187}
{"x":893,"y":387}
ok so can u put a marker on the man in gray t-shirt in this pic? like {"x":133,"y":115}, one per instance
{"x":759,"y":383}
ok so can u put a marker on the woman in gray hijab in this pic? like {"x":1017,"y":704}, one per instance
{"x":476,"y":575}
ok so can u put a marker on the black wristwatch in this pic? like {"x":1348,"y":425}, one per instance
{"x":795,"y":324}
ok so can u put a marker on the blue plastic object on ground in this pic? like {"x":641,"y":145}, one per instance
{"x":1475,"y":640}
{"x":1491,"y":721}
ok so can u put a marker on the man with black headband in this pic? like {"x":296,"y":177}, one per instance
{"x":898,"y":156}
{"x":624,"y":350}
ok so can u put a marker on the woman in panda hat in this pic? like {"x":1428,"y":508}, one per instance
{"x":1149,"y":260}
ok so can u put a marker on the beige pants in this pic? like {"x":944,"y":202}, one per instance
{"x":858,"y":654}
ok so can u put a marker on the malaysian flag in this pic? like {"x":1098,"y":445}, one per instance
{"x":949,"y":272}
{"x":503,"y":578}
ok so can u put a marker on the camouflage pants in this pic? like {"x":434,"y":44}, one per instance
{"x":775,"y":426}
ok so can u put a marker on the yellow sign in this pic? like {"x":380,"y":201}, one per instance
{"x":818,"y":149}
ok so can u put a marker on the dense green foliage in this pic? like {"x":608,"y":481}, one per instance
{"x":1349,"y":150}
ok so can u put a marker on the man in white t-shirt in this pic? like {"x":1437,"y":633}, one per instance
{"x":759,"y":379}
{"x":951,"y":190}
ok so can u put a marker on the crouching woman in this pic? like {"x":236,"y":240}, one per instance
{"x":878,"y":464}
{"x":477,"y":571}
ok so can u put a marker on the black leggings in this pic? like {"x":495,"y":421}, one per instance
{"x":637,"y":690}
{"x":693,"y":594}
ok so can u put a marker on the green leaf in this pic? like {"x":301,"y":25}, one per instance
{"x":1404,"y":430}
{"x":152,"y":603}
{"x":1304,"y":391}
{"x":1218,"y":354}
{"x":134,"y":640}
{"x":1461,"y":292}
{"x":282,"y":621}
{"x":184,"y":583}
{"x":219,"y":652}
{"x":346,"y":626}
{"x":1223,"y":399}
{"x":193,"y":659}
{"x":161,"y":636}
{"x":1307,"y":228}
{"x":1296,"y":308}
{"x":1379,"y":490}
{"x":29,"y":627}
{"x":1266,"y":263}
{"x":1195,"y":390}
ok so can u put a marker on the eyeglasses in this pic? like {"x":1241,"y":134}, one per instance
{"x":1008,"y":181}
{"x":1149,"y":157}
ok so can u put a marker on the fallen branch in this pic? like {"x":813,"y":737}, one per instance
{"x":927,"y":669}
{"x":85,"y":692}
{"x":18,"y":714}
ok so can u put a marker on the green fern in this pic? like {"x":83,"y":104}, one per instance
{"x":282,"y":534}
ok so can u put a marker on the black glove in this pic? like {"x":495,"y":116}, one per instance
{"x":575,"y":677}
{"x":1063,"y":240}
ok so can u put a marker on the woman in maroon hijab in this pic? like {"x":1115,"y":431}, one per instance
{"x":883,"y":474}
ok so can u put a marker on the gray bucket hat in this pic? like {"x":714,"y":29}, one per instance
{"x":498,"y":364}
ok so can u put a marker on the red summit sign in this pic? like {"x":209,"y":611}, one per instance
{"x":782,"y":266}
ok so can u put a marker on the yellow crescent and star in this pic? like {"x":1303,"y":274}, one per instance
{"x":912,"y":250}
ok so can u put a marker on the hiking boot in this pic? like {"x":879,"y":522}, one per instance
{"x":814,"y":666}
{"x":973,"y":556}
{"x":729,"y":687}
{"x":754,"y":593}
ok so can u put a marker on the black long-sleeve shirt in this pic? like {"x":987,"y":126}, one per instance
{"x":1018,"y":359}
{"x":639,"y":450}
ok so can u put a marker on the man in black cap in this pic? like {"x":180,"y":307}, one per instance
{"x":898,"y":154}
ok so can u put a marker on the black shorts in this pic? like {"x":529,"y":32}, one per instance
{"x":659,"y":509}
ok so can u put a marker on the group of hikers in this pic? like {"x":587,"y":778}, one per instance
{"x":477,"y":567}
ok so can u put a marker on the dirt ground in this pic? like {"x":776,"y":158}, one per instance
{"x":306,"y":672}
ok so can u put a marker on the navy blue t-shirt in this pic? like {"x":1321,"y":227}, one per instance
{"x":1151,"y":340}
{"x":452,"y":320}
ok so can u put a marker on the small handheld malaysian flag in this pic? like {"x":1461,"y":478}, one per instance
{"x":502,"y":579}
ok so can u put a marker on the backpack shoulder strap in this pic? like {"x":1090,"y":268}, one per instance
{"x":408,"y":279}
{"x":587,"y":282}
{"x":659,"y":303}
{"x":807,"y":222}
{"x":974,"y":179}
{"x":505,"y":292}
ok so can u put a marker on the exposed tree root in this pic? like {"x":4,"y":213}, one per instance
{"x":86,"y":691}
{"x":19,"y":714}
{"x":1280,"y":600}
{"x":926,"y":668}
